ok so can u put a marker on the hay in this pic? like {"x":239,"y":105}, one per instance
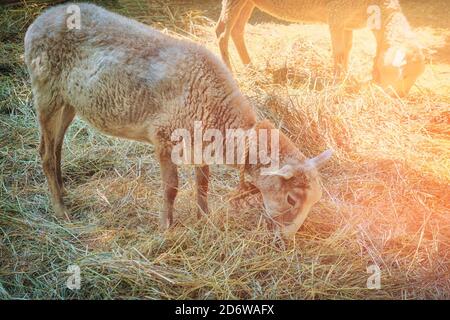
{"x":386,"y":189}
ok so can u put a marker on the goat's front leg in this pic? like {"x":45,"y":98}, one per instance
{"x":339,"y":50}
{"x":202,"y":179}
{"x":348,"y":43}
{"x":375,"y":70}
{"x":169,"y":176}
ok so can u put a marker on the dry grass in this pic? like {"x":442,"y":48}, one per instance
{"x":386,"y":198}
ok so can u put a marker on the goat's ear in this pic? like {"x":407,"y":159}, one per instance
{"x":287,"y":171}
{"x":320,"y":160}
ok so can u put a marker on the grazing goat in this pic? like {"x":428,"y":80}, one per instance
{"x":131,"y":81}
{"x":399,"y":59}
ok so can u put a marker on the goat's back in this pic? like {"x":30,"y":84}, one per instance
{"x":120,"y":75}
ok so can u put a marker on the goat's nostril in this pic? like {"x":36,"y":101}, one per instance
{"x":291,"y":200}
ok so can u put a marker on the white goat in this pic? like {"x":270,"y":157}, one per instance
{"x":131,"y":81}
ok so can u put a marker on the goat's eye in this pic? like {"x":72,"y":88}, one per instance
{"x":291,"y":200}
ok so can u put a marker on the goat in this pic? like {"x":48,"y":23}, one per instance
{"x":399,"y":60}
{"x":131,"y":81}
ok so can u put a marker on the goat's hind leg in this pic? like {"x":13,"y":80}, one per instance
{"x":67,"y":115}
{"x":54,"y":122}
{"x":230,"y":14}
{"x":237,"y":32}
{"x":338,"y":46}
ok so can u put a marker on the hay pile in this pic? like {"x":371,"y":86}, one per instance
{"x":386,"y":190}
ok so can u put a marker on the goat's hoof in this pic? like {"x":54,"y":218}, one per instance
{"x":201,"y":213}
{"x":165,"y":224}
{"x":62,"y":213}
{"x":250,"y":66}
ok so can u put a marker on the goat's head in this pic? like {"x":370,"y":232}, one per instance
{"x":398,"y":68}
{"x":290,"y":191}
